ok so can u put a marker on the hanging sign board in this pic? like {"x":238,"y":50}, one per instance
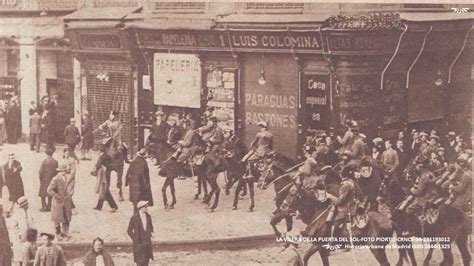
{"x":177,"y":80}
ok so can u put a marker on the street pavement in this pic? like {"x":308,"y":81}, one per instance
{"x":272,"y":256}
{"x":188,"y":221}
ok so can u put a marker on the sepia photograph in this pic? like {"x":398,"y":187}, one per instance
{"x":236,"y":132}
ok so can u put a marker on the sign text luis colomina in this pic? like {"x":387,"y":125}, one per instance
{"x":235,"y":40}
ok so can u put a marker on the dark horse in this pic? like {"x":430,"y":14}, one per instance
{"x":450,"y":222}
{"x":313,"y":213}
{"x":119,"y":154}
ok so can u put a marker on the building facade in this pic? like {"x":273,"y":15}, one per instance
{"x":302,"y":67}
{"x":35,"y":58}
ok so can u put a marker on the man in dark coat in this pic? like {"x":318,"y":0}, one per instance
{"x":369,"y":183}
{"x":138,"y":177}
{"x":13,"y":122}
{"x":87,"y":135}
{"x":159,"y":135}
{"x":6,"y":252}
{"x":140,"y":229}
{"x":48,"y":128}
{"x":72,"y":135}
{"x":46,"y":173}
{"x":35,"y":131}
{"x":11,"y":173}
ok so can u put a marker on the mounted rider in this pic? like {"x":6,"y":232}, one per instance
{"x":306,"y":173}
{"x":212,"y":135}
{"x":186,"y":146}
{"x":113,"y":127}
{"x":261,"y":145}
{"x":420,"y":193}
{"x":459,"y":186}
{"x":345,"y":202}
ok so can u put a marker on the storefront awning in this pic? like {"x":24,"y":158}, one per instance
{"x":439,"y":16}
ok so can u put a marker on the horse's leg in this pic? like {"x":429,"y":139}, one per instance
{"x":448,"y":259}
{"x":208,"y":197}
{"x":411,"y":255}
{"x":307,"y":255}
{"x":163,"y":191}
{"x":402,"y":252}
{"x":289,"y":223}
{"x":324,"y":254}
{"x":276,"y":219}
{"x":237,"y":192}
{"x":199,"y":181}
{"x":119,"y":172}
{"x":217,"y":190}
{"x":380,"y":256}
{"x":462,"y":246}
{"x":429,"y":255}
{"x":252,"y":194}
{"x":244,"y":191}
{"x":173,"y":194}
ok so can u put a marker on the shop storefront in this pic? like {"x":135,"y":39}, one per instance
{"x":106,"y":75}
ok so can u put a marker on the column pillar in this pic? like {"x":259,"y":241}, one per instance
{"x":77,"y":91}
{"x":28,"y":76}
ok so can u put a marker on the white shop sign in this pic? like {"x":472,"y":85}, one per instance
{"x":177,"y":80}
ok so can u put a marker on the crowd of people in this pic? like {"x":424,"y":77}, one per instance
{"x":444,"y":157}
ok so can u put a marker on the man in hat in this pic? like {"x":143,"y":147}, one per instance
{"x":260,"y":146}
{"x":49,"y":254}
{"x":87,"y":135}
{"x":433,"y":144}
{"x":357,"y":148}
{"x":12,"y":176}
{"x":460,"y":184}
{"x":186,"y":144}
{"x":369,"y":179}
{"x":113,"y":127}
{"x":47,"y":128}
{"x":140,"y":230}
{"x":390,"y":159}
{"x":35,"y":131}
{"x":348,"y":138}
{"x":6,"y":252}
{"x":13,"y":122}
{"x":419,"y":194}
{"x":138,"y":178}
{"x":159,"y":137}
{"x":61,"y":208}
{"x":377,"y":149}
{"x":21,"y":222}
{"x":72,"y":137}
{"x":212,"y":134}
{"x":46,"y":173}
{"x":102,"y":172}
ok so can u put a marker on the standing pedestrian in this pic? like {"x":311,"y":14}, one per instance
{"x":61,"y":207}
{"x":48,"y":128}
{"x":35,"y":131}
{"x":87,"y":135}
{"x":103,"y":180}
{"x":49,"y":254}
{"x":14,"y":122}
{"x":11,"y":173}
{"x":6,"y":252}
{"x":21,"y":222}
{"x":140,"y":230}
{"x":98,"y":255}
{"x":46,"y":173}
{"x":72,"y":136}
{"x":3,"y":130}
{"x":390,"y":158}
{"x":71,"y":162}
{"x":138,"y":177}
{"x":159,"y":135}
{"x":29,"y":248}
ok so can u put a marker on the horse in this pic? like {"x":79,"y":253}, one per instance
{"x":118,"y":152}
{"x":314,"y":211}
{"x":450,"y":223}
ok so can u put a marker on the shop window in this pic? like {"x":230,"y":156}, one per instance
{"x":221,"y":87}
{"x":181,"y":7}
{"x":273,"y":7}
{"x":13,"y":62}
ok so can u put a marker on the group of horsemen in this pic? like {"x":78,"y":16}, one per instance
{"x":361,"y":175}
